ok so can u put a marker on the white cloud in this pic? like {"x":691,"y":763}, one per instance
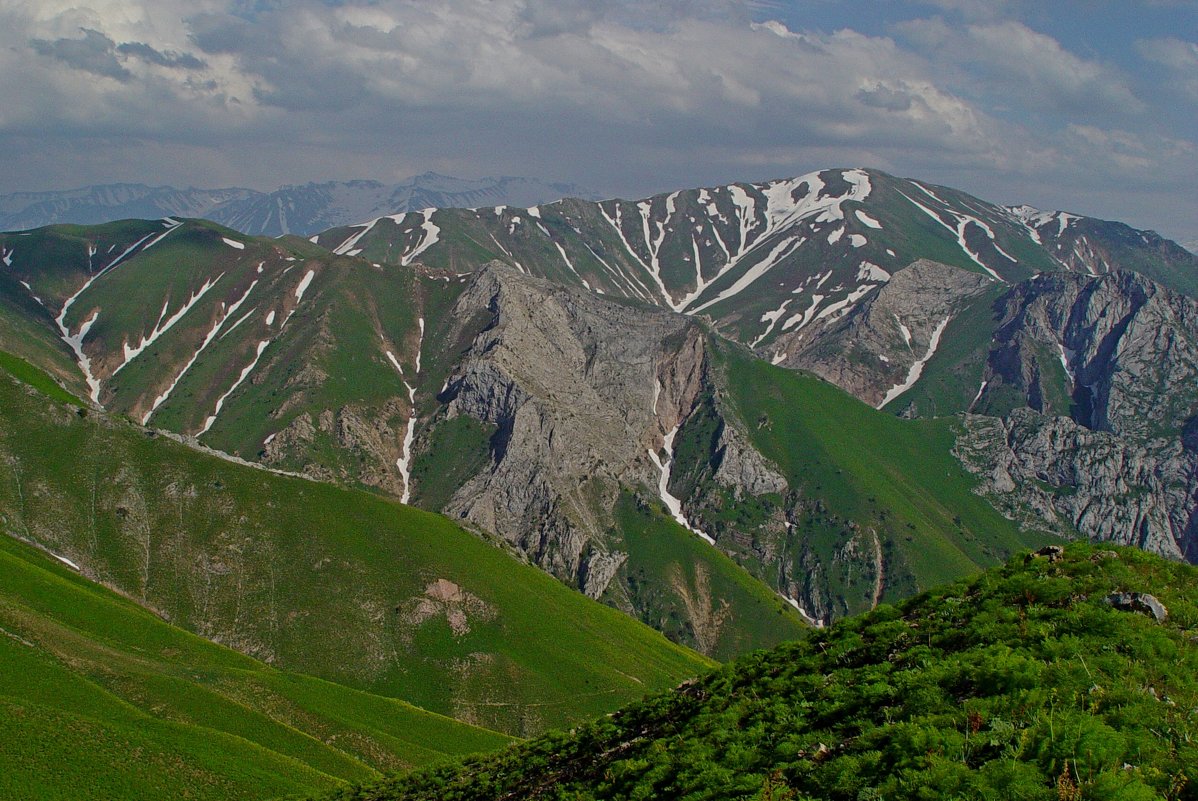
{"x":623,"y":95}
{"x":1012,"y":65}
{"x":1178,"y":56}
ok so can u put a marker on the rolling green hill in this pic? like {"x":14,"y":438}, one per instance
{"x":1047,"y":678}
{"x":338,"y":584}
{"x":101,"y":699}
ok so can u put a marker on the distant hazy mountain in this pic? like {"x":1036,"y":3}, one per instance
{"x":305,"y":210}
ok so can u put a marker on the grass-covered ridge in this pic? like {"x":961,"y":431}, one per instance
{"x":1022,"y":682}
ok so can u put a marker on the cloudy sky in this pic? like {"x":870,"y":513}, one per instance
{"x":1087,"y":105}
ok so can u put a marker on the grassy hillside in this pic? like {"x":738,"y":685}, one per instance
{"x":1021,"y":683}
{"x":691,"y":591}
{"x":335,"y":583}
{"x":101,"y":699}
{"x":865,"y":480}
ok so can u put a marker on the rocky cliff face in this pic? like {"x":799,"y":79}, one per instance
{"x":1052,"y":473}
{"x":1090,"y":382}
{"x":1116,"y":353}
{"x":581,"y":390}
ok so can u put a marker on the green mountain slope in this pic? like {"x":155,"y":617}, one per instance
{"x":101,"y":699}
{"x":334,"y":583}
{"x":875,"y":508}
{"x":1023,"y":682}
{"x":280,"y":352}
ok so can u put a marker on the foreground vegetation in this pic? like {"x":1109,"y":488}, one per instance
{"x":1023,"y":682}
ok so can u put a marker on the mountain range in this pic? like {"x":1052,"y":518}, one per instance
{"x":731,"y":413}
{"x":304,"y":210}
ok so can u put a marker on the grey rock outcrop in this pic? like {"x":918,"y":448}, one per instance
{"x":581,"y":389}
{"x":1125,"y":347}
{"x":742,"y":468}
{"x":872,"y":349}
{"x":1054,"y":474}
{"x":1140,"y":602}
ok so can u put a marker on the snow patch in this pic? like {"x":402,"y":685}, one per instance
{"x":404,"y":462}
{"x":1066,"y":356}
{"x":780,"y":252}
{"x":844,"y":305}
{"x":35,"y":297}
{"x":348,"y":245}
{"x":868,"y":271}
{"x":161,"y":327}
{"x":782,"y":210}
{"x":867,"y":220}
{"x":394,"y":362}
{"x":857,"y":240}
{"x":978,"y":396}
{"x":569,"y":263}
{"x":805,"y":317}
{"x":65,"y":561}
{"x":419,"y":344}
{"x":432,"y":234}
{"x":963,"y":221}
{"x":304,"y":283}
{"x":240,"y":380}
{"x":157,"y":239}
{"x":772,"y":318}
{"x":233,"y":243}
{"x":814,"y":622}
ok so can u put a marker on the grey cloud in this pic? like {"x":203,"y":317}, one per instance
{"x":886,"y":98}
{"x":168,"y":58}
{"x":1171,"y":52}
{"x":221,"y":33}
{"x":94,"y":53}
{"x":629,"y":97}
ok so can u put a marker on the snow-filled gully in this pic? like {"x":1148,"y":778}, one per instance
{"x":780,"y":212}
{"x":673,"y":504}
{"x":404,"y":462}
{"x":75,"y":341}
{"x":304,"y":283}
{"x":212,"y":333}
{"x":161,"y":327}
{"x":917,"y":369}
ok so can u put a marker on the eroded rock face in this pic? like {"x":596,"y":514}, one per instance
{"x":1050,"y":472}
{"x":873,"y":348}
{"x":742,"y":468}
{"x":444,"y":599}
{"x":1125,"y":347}
{"x":580,"y":389}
